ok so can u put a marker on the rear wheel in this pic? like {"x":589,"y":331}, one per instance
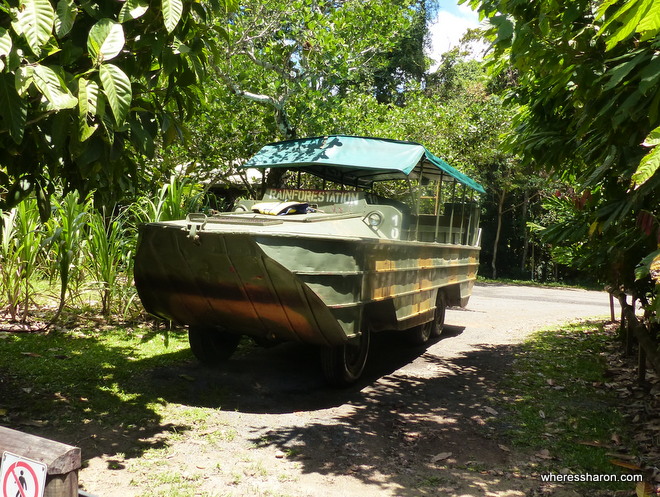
{"x":438,"y":323}
{"x":420,"y":334}
{"x":212,"y":345}
{"x":344,"y":364}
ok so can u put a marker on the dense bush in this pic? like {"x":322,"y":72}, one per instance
{"x":82,"y":255}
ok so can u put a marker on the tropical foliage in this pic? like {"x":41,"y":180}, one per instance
{"x":129,"y":75}
{"x":84,"y":253}
{"x":292,"y":56}
{"x":588,"y":81}
{"x":86,"y":88}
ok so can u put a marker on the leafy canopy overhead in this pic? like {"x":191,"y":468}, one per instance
{"x":588,"y":75}
{"x":86,"y":87}
{"x":293,"y":56}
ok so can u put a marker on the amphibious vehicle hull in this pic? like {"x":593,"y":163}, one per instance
{"x":281,"y":286}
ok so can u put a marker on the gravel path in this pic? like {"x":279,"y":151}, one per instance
{"x":416,"y":425}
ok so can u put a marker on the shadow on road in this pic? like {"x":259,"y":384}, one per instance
{"x":412,"y":406}
{"x":286,"y":378}
{"x":402,"y":422}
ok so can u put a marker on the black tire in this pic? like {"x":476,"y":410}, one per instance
{"x":343,"y":365}
{"x":212,"y":345}
{"x":420,"y":334}
{"x":438,"y":323}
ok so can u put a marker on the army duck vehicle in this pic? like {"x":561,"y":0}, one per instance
{"x":328,"y":265}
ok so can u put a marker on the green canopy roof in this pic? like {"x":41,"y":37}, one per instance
{"x":360,"y":161}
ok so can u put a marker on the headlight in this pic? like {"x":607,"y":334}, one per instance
{"x":374,"y":219}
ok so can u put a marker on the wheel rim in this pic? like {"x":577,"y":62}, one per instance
{"x":439,"y":317}
{"x":355,"y":354}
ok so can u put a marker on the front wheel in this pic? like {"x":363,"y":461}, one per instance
{"x":343,"y":365}
{"x":212,"y":345}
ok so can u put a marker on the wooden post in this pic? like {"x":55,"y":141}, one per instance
{"x":63,"y":461}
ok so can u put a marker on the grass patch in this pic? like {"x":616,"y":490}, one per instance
{"x":89,"y":376}
{"x":540,"y":284}
{"x":559,"y":406}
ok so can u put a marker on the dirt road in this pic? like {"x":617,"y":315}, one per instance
{"x":416,"y":425}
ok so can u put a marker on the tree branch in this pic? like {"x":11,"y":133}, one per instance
{"x":32,"y":121}
{"x":267,"y":65}
{"x":286,"y":129}
{"x":255,"y":97}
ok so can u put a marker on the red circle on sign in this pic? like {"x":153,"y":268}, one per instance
{"x":10,"y":471}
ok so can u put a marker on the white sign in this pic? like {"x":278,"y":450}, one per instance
{"x":315,"y":196}
{"x":21,"y":477}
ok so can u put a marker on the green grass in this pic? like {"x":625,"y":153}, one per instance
{"x":89,"y":376}
{"x":555,"y":401}
{"x":544,"y":284}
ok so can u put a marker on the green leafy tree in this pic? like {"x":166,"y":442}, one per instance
{"x":588,"y":82}
{"x":293,"y":69}
{"x":405,"y":64}
{"x":87,"y":87}
{"x":295,"y":57}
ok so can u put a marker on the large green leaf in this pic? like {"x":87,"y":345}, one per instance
{"x":132,"y":9}
{"x":105,"y":40}
{"x":653,"y":139}
{"x":5,"y":42}
{"x":615,"y":15}
{"x":52,"y":86}
{"x":650,"y":25}
{"x":643,"y":269}
{"x":650,"y":76}
{"x":647,"y":167}
{"x":117,"y":87}
{"x":172,"y":10}
{"x":24,"y":79}
{"x":629,"y":22}
{"x":66,"y":13}
{"x":13,"y":108}
{"x":618,"y":73}
{"x":35,"y":22}
{"x":141,"y":139}
{"x":88,"y":95}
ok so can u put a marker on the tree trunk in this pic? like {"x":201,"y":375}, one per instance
{"x":500,"y":211}
{"x":525,"y":207}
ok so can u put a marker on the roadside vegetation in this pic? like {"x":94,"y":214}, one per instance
{"x":81,"y":259}
{"x":567,"y":403}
